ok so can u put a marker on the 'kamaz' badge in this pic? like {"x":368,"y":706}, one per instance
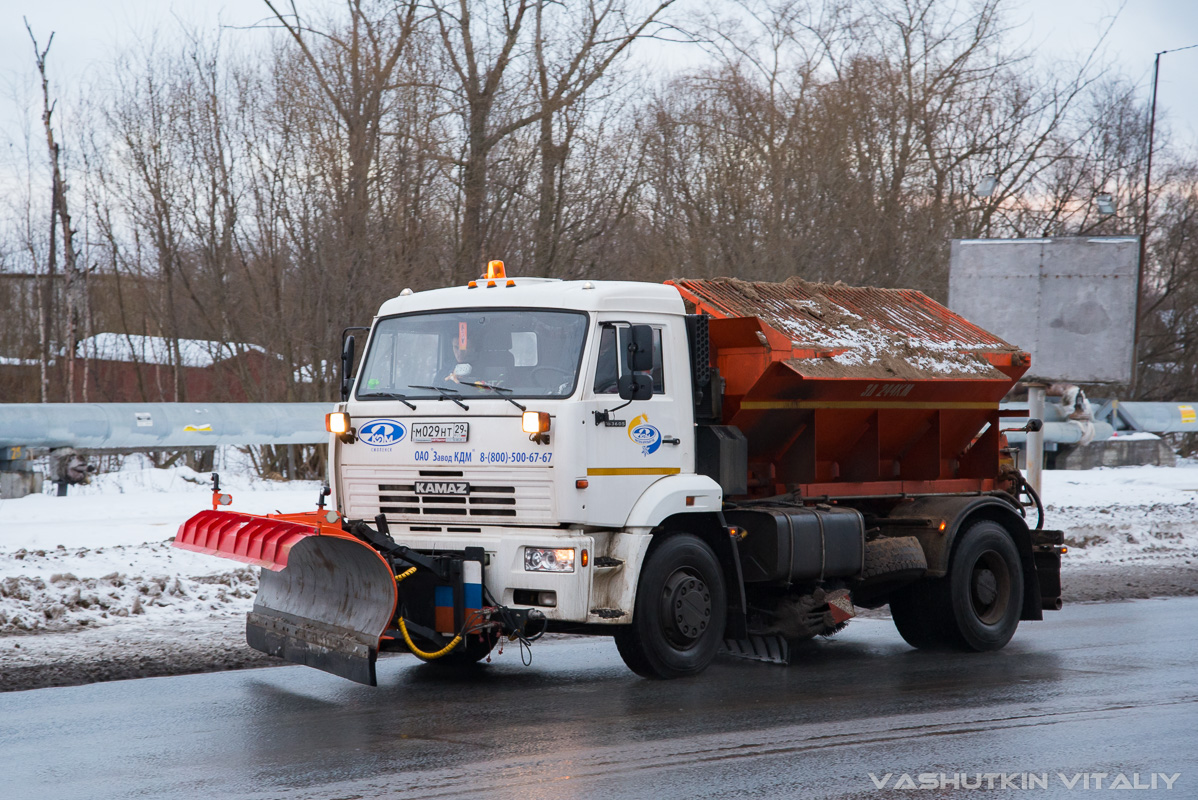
{"x":644,"y":434}
{"x":382,"y":432}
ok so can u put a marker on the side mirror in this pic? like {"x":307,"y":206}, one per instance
{"x":635,"y":386}
{"x":347,"y":364}
{"x":639,"y":355}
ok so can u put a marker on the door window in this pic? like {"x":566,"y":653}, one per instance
{"x":609,"y":366}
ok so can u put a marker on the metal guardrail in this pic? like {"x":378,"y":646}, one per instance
{"x":150,"y":426}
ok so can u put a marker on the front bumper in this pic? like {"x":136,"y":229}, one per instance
{"x":504,"y":574}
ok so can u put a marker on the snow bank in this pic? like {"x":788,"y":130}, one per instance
{"x":102,"y":554}
{"x":1118,"y":515}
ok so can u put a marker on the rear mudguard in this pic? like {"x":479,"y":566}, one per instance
{"x":324,"y":599}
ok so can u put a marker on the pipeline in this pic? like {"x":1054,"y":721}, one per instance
{"x":160,"y":426}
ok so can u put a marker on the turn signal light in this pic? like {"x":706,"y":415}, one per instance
{"x":535,"y":421}
{"x":337,"y":422}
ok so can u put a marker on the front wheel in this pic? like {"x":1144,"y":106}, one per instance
{"x":678,"y":621}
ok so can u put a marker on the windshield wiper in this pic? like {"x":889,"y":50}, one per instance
{"x":498,"y":390}
{"x":403,"y":398}
{"x":446,"y":394}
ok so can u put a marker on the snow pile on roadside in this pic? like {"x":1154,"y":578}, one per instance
{"x":65,"y":602}
{"x":102,"y":555}
{"x":1122,"y":515}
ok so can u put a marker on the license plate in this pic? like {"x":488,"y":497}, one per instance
{"x":442,"y":487}
{"x":446,"y":432}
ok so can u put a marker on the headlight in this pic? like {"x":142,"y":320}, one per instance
{"x":543,"y":559}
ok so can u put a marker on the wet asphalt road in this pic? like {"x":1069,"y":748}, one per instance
{"x":1095,"y":689}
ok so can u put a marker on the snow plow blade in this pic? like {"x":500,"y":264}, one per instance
{"x":324,"y":598}
{"x":327,"y":609}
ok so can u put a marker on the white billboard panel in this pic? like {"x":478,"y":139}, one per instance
{"x":1069,"y":301}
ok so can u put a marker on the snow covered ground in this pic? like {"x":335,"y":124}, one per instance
{"x":102,"y":554}
{"x":1125,"y":515}
{"x":97,"y":565}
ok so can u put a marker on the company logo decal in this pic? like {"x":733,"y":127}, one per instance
{"x":644,"y":434}
{"x":382,"y":432}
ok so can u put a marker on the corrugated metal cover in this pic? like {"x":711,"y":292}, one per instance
{"x":870,"y":332}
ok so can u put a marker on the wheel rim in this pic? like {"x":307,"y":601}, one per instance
{"x":685,"y":608}
{"x":990,"y":587}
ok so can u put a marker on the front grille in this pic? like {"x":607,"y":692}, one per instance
{"x":511,"y":496}
{"x":483,"y":501}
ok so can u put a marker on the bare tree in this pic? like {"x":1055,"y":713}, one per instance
{"x":74,"y":290}
{"x":492,"y":65}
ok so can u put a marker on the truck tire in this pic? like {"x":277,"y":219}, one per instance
{"x":889,"y":564}
{"x":681,"y":606}
{"x":918,"y":613}
{"x":976,"y":606}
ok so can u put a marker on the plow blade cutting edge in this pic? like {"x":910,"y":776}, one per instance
{"x":325,"y":605}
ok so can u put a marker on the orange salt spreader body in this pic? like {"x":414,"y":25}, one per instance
{"x":856,"y":391}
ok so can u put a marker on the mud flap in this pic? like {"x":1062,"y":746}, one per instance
{"x":326,"y":609}
{"x":770,"y":648}
{"x":1047,"y":547}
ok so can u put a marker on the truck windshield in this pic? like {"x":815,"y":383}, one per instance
{"x":476,"y":353}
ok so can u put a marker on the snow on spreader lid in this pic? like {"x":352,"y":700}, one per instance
{"x":863,"y":331}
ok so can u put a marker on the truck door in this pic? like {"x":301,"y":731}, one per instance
{"x":645,"y":440}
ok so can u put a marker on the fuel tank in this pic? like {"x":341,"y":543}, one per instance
{"x":795,"y":543}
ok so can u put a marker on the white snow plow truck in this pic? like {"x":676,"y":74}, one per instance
{"x":688,"y":467}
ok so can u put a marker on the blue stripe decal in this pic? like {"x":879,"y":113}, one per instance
{"x":444,"y":596}
{"x":474,"y":595}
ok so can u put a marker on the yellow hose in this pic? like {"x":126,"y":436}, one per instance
{"x":408,"y":639}
{"x":427,"y":656}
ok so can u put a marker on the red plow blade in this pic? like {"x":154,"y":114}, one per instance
{"x":324,"y":598}
{"x":260,"y":541}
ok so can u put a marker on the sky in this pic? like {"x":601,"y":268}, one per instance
{"x":88,"y":33}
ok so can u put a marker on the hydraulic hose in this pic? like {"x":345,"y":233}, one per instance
{"x":417,"y":651}
{"x":1039,"y":505}
{"x":408,"y":639}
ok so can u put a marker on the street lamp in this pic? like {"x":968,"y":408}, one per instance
{"x":1106,"y":204}
{"x":1135,"y":342}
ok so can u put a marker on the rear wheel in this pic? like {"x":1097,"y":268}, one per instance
{"x":889,"y":564}
{"x":678,"y":622}
{"x":976,"y":606}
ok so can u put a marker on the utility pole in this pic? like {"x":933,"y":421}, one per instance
{"x":1135,"y":346}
